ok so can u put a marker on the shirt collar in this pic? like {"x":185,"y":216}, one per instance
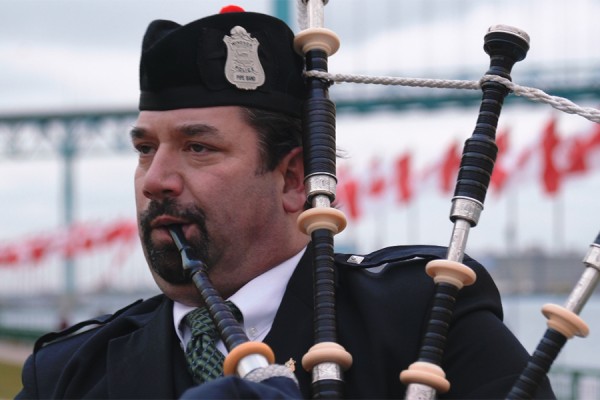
{"x":258,"y":301}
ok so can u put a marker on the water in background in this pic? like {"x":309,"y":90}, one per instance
{"x":523,"y":316}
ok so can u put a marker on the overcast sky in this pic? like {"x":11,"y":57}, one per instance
{"x":72,"y":53}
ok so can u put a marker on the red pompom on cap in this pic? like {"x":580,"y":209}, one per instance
{"x":231,"y":9}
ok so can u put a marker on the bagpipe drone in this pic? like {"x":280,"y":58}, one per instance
{"x":327,"y":360}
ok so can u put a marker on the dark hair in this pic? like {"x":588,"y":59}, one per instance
{"x":278,"y":134}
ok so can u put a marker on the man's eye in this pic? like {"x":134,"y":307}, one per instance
{"x":143,"y":149}
{"x":197,"y":148}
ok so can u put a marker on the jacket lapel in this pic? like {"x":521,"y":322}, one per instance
{"x":144,"y":363}
{"x":291,"y":334}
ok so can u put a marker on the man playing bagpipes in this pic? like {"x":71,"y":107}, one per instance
{"x":219,"y":187}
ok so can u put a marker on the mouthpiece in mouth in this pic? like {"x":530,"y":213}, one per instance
{"x":189,"y":264}
{"x":178,"y":236}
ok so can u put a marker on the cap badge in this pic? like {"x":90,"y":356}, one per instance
{"x":243,"y":68}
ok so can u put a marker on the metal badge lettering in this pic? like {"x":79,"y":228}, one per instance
{"x":243,"y":68}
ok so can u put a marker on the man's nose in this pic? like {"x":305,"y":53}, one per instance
{"x":163,"y":178}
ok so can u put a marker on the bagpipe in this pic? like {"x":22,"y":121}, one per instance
{"x":327,"y":360}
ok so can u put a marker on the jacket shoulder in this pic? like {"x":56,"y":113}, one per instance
{"x":137,"y":308}
{"x":389,"y":255}
{"x":397,"y":265}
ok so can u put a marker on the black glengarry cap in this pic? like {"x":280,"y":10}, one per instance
{"x":235,"y":58}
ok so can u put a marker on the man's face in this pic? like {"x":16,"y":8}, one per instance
{"x":201,"y":169}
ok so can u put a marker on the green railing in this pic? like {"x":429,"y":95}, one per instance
{"x":575,"y":383}
{"x":19,"y":334}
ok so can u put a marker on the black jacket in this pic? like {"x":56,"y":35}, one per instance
{"x":381,"y":317}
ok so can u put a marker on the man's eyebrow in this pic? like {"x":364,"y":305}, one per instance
{"x":197,"y":129}
{"x":185,"y":129}
{"x":136,"y":132}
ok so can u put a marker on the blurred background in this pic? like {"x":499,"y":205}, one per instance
{"x":68,"y":96}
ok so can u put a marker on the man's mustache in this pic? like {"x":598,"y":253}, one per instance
{"x":165,"y":259}
{"x":169,"y":207}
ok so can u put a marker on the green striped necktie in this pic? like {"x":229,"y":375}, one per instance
{"x":205,"y":361}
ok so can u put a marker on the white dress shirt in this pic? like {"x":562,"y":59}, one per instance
{"x":258,"y":301}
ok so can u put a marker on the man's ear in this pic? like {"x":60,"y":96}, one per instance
{"x":292,"y":169}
